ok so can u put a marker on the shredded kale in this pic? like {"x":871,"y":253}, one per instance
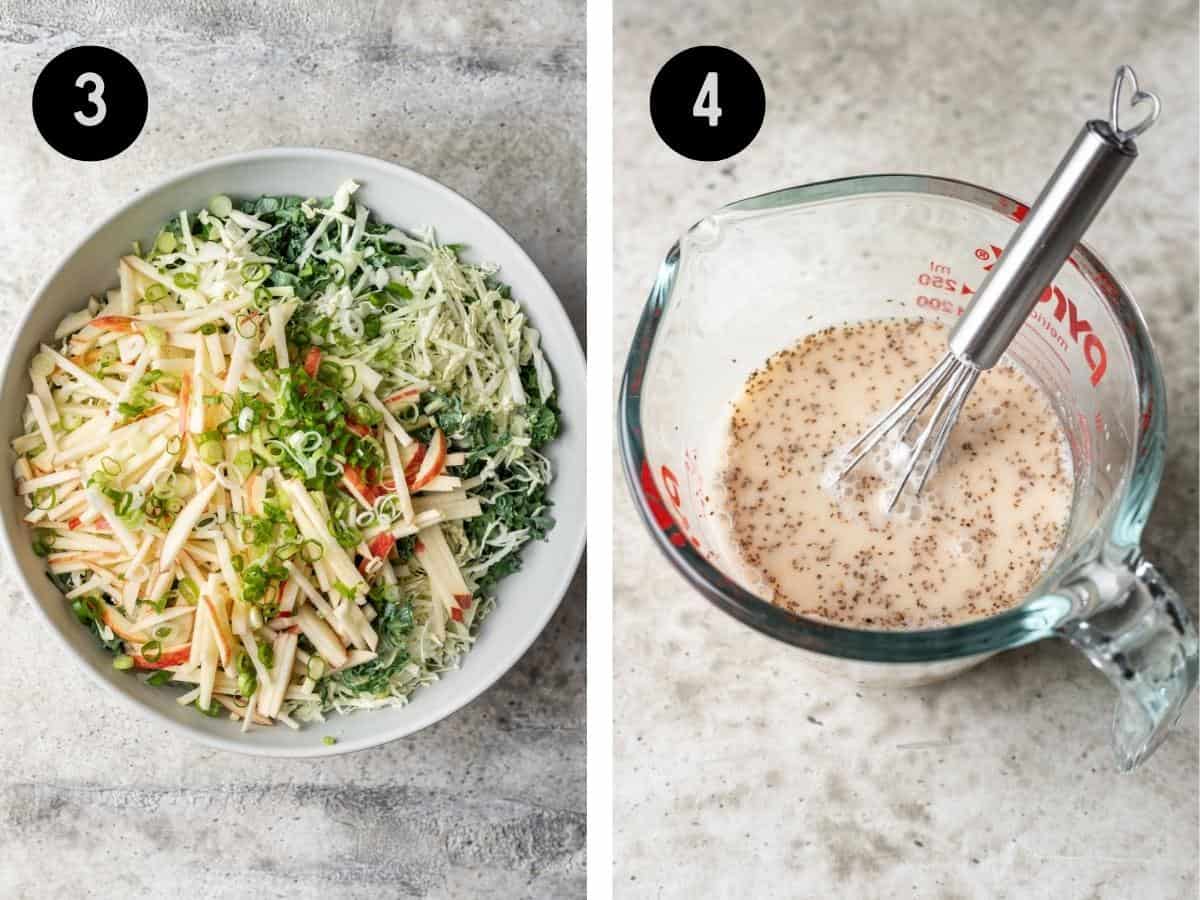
{"x":394,"y":624}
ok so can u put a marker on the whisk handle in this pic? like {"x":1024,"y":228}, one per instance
{"x":1076,"y":191}
{"x":1079,"y":187}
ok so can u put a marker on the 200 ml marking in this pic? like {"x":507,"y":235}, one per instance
{"x":1064,"y":311}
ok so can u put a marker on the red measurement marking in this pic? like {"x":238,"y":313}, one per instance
{"x":939,"y":304}
{"x":938,"y":282}
{"x":1065,"y":310}
{"x":674,"y":528}
{"x":658,"y":509}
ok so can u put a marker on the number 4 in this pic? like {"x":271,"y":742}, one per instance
{"x":706,"y":106}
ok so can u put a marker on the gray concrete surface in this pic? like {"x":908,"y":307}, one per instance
{"x":740,"y":772}
{"x":488,"y":98}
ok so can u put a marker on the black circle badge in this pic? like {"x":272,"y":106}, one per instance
{"x":707,"y":103}
{"x":89,"y":103}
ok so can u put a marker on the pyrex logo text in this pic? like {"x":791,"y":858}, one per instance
{"x":1065,"y":310}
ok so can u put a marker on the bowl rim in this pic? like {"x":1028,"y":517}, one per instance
{"x":568,"y":356}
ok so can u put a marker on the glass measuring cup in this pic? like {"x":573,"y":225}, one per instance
{"x":758,"y":274}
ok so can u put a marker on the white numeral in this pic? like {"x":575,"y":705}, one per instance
{"x":706,"y":106}
{"x":94,"y":97}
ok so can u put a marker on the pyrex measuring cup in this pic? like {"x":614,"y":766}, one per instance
{"x":755,"y":276}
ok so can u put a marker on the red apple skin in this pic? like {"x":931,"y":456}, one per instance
{"x":404,"y":397}
{"x":355,"y":477}
{"x":413,"y":465}
{"x":312,"y":362}
{"x":176,"y":656}
{"x":433,"y":463}
{"x":120,"y":626}
{"x":381,"y":545}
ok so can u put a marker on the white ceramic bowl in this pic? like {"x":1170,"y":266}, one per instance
{"x":397,"y":196}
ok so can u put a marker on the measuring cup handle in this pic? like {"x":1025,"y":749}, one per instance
{"x":1143,"y":639}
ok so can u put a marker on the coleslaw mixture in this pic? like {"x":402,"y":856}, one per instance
{"x":286,"y":461}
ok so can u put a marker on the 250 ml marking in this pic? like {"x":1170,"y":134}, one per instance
{"x":1065,"y":311}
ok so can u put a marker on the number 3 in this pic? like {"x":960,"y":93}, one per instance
{"x":706,"y":106}
{"x":94,"y":97}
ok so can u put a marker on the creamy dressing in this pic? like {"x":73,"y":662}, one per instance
{"x":981,"y":534}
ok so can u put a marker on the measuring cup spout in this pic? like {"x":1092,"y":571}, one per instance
{"x":1134,"y":628}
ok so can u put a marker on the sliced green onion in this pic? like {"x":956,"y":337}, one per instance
{"x":95,"y":606}
{"x":43,"y":541}
{"x":189,"y":591}
{"x":244,"y":461}
{"x":162,"y":631}
{"x":122,"y":500}
{"x":266,"y":655}
{"x":159,"y":678}
{"x":185,"y":280}
{"x":220,"y":205}
{"x":42,"y":364}
{"x":253,"y":272}
{"x":110,"y":466}
{"x":152,"y":651}
{"x":329,"y":740}
{"x":365,"y":414}
{"x":165,"y":243}
{"x":211,"y":452}
{"x":44,"y":498}
{"x":123,"y":662}
{"x":329,"y":372}
{"x":214,"y":709}
{"x":154,"y":335}
{"x":155,"y":292}
{"x":164,"y":483}
{"x":247,"y":683}
{"x":315,"y":668}
{"x":311,"y":551}
{"x":247,"y":327}
{"x":174,"y":444}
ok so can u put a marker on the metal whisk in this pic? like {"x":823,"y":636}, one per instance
{"x":1076,"y":191}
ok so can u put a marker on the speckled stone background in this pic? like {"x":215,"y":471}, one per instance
{"x":486,"y":97}
{"x":741,"y":772}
